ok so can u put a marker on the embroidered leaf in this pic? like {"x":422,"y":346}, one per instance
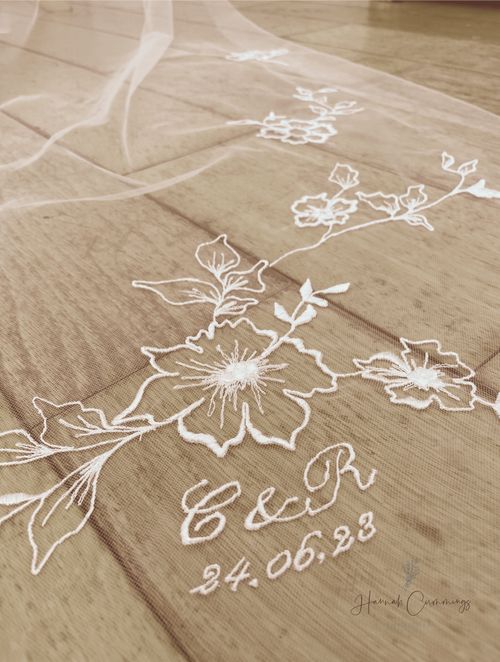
{"x":344,"y":175}
{"x":380,"y":201}
{"x":466,"y":168}
{"x":480,"y":191}
{"x":304,"y":91}
{"x":328,"y":90}
{"x":281,"y":313}
{"x":62,"y":512}
{"x":306,"y":290}
{"x":181,"y":291}
{"x":447,"y":161}
{"x":318,"y":301}
{"x":71,"y":425}
{"x":337,"y":289}
{"x":13,"y":499}
{"x":414,"y":197}
{"x":308,"y":315}
{"x":217,"y":256}
{"x":417,"y":219}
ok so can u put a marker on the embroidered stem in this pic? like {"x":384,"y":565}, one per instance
{"x":387,"y":219}
{"x":484,"y":402}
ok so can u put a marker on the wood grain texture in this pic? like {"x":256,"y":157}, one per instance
{"x":71,"y":327}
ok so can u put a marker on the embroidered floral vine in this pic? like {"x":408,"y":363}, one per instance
{"x":225,"y":374}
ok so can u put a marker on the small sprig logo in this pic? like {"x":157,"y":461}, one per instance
{"x":411,"y":571}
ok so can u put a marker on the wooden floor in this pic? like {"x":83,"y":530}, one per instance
{"x":453,"y":47}
{"x":71,"y":327}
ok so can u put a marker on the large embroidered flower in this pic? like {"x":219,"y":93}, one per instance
{"x":296,"y":132}
{"x":230,"y":380}
{"x":313,"y":210}
{"x":413,"y":378}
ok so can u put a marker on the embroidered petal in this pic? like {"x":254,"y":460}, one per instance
{"x":383,"y":367}
{"x":414,"y":197}
{"x":306,"y":373}
{"x":205,"y":426}
{"x":380,"y":201}
{"x":447,"y":359}
{"x":294,"y":416}
{"x":451,"y":397}
{"x":249,"y":280}
{"x":344,"y":176}
{"x":217,"y":256}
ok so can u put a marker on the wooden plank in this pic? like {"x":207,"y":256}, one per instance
{"x":82,"y":607}
{"x":453,"y":53}
{"x":477,"y":21}
{"x":453,"y":464}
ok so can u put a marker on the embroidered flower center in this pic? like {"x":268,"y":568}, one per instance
{"x":325,"y":213}
{"x":426,"y":378}
{"x":235,"y":372}
{"x":243,"y":372}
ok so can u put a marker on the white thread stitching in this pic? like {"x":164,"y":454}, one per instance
{"x":299,"y":131}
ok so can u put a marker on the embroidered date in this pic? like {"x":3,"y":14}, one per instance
{"x":285,"y":560}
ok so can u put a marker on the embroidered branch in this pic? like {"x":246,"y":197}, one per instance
{"x":299,"y":131}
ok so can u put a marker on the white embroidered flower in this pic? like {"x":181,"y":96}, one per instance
{"x":233,"y":379}
{"x":229,"y":290}
{"x":313,"y":210}
{"x":296,"y":132}
{"x":415,"y":379}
